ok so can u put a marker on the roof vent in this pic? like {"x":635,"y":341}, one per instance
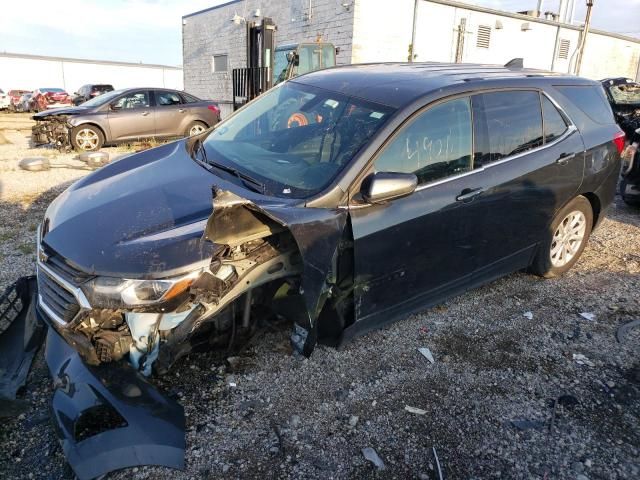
{"x":525,"y":27}
{"x":484,"y":36}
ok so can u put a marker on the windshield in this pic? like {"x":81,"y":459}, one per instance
{"x":295,"y":139}
{"x":626,"y":93}
{"x":102,"y":99}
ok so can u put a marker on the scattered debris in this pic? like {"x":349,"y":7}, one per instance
{"x":35,"y":164}
{"x":528,"y":315}
{"x":438,"y":467}
{"x":94,"y":159}
{"x":371,"y":455}
{"x":353,"y":420}
{"x":417,"y":411}
{"x":623,"y":330}
{"x":149,"y":430}
{"x":426,"y":353}
{"x":21,"y":334}
{"x":583,"y":360}
{"x":524,"y":424}
{"x":588,"y":316}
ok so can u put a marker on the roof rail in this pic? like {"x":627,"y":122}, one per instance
{"x":515,"y":63}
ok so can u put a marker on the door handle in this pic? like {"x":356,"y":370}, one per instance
{"x":469,"y":194}
{"x":564,"y":158}
{"x":181,"y":110}
{"x":144,"y":114}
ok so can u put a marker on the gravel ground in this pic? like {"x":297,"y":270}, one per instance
{"x":288,"y":417}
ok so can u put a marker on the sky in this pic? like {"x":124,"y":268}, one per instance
{"x":150,"y":31}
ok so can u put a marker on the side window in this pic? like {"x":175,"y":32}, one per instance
{"x":513,"y":124}
{"x":436,"y":144}
{"x":132,"y":100}
{"x":164,"y":99}
{"x":554,"y":123}
{"x":591,"y":100}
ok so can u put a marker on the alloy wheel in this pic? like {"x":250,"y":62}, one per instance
{"x":87,"y":139}
{"x":196,"y":129}
{"x":568,"y":238}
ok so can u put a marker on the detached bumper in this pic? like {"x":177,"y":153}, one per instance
{"x":149,"y":429}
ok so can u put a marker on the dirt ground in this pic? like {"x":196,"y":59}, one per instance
{"x":504,"y":356}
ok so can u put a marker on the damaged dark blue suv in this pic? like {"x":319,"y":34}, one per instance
{"x":341,"y":201}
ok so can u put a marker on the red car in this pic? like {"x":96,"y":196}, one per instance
{"x":14,"y":98}
{"x":46,"y":98}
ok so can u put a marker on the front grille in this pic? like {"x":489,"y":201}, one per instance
{"x":61,"y":267}
{"x":57,"y":298}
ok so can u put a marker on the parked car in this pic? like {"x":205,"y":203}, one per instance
{"x":14,"y":98}
{"x":342,"y":200}
{"x":126,"y":115}
{"x":23,"y":103}
{"x":87,"y":92}
{"x":47,"y":98}
{"x":4,"y":100}
{"x":624,"y":97}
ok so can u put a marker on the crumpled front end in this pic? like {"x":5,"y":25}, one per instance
{"x":54,"y":130}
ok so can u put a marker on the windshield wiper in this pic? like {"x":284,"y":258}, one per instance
{"x":247,"y":181}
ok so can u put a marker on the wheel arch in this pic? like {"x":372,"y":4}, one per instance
{"x":596,"y":207}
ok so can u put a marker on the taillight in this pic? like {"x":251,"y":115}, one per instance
{"x":213,"y":108}
{"x":619,"y":140}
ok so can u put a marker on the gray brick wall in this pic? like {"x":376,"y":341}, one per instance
{"x":212,"y":32}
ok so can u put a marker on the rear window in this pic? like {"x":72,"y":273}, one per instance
{"x":189,"y":98}
{"x":513,"y":121}
{"x":102,"y":88}
{"x":591,"y":100}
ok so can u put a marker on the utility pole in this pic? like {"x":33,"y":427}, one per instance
{"x":583,"y":39}
{"x":539,"y":9}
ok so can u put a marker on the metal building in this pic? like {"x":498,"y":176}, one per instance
{"x":214,"y":40}
{"x":28,"y":72}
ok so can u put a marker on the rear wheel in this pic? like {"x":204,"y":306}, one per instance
{"x":195,"y":128}
{"x":87,"y":138}
{"x":565,"y":239}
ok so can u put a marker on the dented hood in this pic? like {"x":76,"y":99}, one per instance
{"x":138,"y":216}
{"x":61,"y":111}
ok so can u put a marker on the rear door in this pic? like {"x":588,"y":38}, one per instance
{"x":532,"y":160}
{"x":171,"y":113}
{"x":131,"y":116}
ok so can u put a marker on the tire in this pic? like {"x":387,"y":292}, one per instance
{"x":87,"y":138}
{"x":194,"y":128}
{"x":552,"y":259}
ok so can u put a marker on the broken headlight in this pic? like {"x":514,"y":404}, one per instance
{"x":110,"y":292}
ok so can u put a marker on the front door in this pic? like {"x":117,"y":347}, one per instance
{"x":419,"y":249}
{"x":131,"y":116}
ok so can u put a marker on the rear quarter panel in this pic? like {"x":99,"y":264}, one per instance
{"x":602,"y":160}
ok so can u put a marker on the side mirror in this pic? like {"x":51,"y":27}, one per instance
{"x":113,"y":107}
{"x":382,"y":186}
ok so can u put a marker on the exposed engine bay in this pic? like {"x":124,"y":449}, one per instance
{"x":54,"y":129}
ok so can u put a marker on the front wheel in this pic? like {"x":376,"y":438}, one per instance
{"x":86,"y":138}
{"x":565,"y":240}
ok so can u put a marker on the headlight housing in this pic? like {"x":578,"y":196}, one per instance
{"x":111,"y":292}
